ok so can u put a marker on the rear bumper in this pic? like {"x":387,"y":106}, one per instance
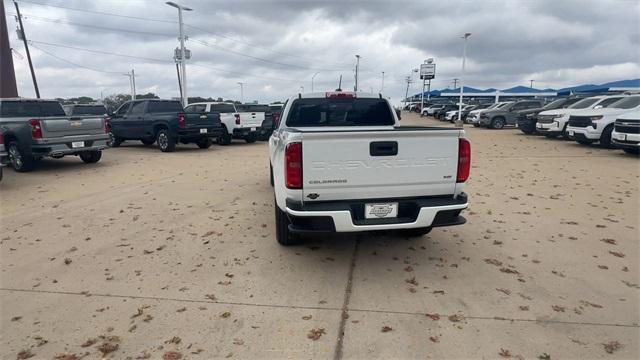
{"x":64,"y":145}
{"x":348,"y":216}
{"x":193,"y":134}
{"x":243,"y":132}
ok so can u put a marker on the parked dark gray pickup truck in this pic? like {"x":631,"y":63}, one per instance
{"x":507,"y":115}
{"x":36,"y":128}
{"x":164,"y":122}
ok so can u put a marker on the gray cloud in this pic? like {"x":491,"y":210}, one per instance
{"x":558,"y":43}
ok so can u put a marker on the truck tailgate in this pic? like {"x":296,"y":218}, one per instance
{"x":65,"y":126}
{"x":251,"y":119}
{"x":379,"y":164}
{"x":197,"y":120}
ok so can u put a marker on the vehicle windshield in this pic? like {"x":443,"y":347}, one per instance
{"x":340,"y":112}
{"x":626,"y":103}
{"x":31,"y":109}
{"x":584,"y":103}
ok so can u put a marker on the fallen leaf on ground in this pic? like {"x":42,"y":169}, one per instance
{"x":89,"y":342}
{"x":456,"y":317}
{"x":504,"y":291}
{"x":493,"y":262}
{"x":558,"y":308}
{"x":108,"y":347}
{"x":225,"y":314}
{"x":172,"y":355}
{"x":66,"y":356}
{"x":174,"y":340}
{"x":25,"y":354}
{"x":504,"y":353}
{"x":434,"y":317}
{"x":315,"y":334}
{"x":306,"y":317}
{"x":434,"y":339}
{"x":386,"y":328}
{"x":609,"y":241}
{"x":612,"y":346}
{"x":411,"y":281}
{"x":617,"y":253}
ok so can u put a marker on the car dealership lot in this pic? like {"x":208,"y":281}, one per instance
{"x":161,"y":252}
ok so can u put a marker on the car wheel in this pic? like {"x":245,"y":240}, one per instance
{"x":632,"y":151}
{"x":224,"y":138}
{"x":20,"y":160}
{"x":251,"y":138}
{"x":283,"y":235}
{"x":204,"y":143}
{"x":91,"y":157}
{"x":605,"y":137}
{"x":114,"y":141}
{"x":416,"y":232}
{"x":497,"y":123}
{"x":166,"y":142}
{"x":148,"y":141}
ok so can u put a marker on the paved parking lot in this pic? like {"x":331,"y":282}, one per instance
{"x":152,"y":255}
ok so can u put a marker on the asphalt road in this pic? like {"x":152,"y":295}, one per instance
{"x":154,"y":255}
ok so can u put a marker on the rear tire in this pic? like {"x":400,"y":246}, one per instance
{"x":605,"y":137}
{"x":204,"y":143}
{"x":91,"y":157}
{"x":416,"y":232}
{"x":21,"y":160}
{"x":166,"y":142}
{"x":283,"y":235}
{"x":224,"y":138}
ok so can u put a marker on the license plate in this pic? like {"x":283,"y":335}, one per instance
{"x":621,"y":137}
{"x":381,"y":210}
{"x":77,"y":144}
{"x":571,"y":132}
{"x":203,"y":131}
{"x":253,"y":129}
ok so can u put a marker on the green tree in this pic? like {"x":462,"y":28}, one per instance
{"x":113,"y":101}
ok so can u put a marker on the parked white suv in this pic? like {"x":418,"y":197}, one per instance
{"x":589,"y":126}
{"x":626,"y":132}
{"x":553,"y":123}
{"x":341,"y":162}
{"x":238,"y":121}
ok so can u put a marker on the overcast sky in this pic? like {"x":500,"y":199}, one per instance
{"x":276,"y":47}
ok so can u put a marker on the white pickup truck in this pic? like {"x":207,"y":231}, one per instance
{"x":341,"y":162}
{"x":238,"y":121}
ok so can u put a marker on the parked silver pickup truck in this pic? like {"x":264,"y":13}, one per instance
{"x":37,"y":128}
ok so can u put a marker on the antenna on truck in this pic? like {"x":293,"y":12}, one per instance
{"x":340,"y":84}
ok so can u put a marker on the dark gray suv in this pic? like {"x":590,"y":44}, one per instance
{"x":508,"y":114}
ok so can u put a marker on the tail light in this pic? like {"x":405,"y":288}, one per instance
{"x":107,"y":124}
{"x":237,"y":116}
{"x":276,"y":120}
{"x":293,"y":165}
{"x":464,"y":160}
{"x":182,"y":123}
{"x":36,"y":128}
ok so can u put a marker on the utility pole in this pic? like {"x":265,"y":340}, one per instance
{"x":8,"y":88}
{"x":314,"y":75}
{"x":183,"y":58}
{"x":464,"y":60}
{"x":531,"y":86}
{"x":23,"y":36}
{"x":422,"y":94}
{"x":382,"y":86}
{"x":241,"y":92}
{"x":406,"y":93}
{"x":132,"y":83}
{"x":179,"y":82}
{"x":455,"y":83}
{"x":357,"y":66}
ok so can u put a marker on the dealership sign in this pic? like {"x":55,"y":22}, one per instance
{"x":427,"y":71}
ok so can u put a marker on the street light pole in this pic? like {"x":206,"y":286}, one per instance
{"x":132,"y":83}
{"x":241,"y":92}
{"x":464,"y":60}
{"x":531,"y":86}
{"x":422,"y":94}
{"x":183,"y":60}
{"x":357,"y":66}
{"x":314,"y":75}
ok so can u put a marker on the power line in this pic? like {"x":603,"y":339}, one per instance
{"x":173,"y":22}
{"x":158,"y":60}
{"x":75,"y":64}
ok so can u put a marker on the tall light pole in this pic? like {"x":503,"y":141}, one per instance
{"x":382,"y":85}
{"x":406,"y":93}
{"x":241,"y":92}
{"x":132,"y":83}
{"x":464,"y":60}
{"x":314,"y":75}
{"x":183,"y":60}
{"x":531,"y":86}
{"x":357,"y":66}
{"x":455,"y":83}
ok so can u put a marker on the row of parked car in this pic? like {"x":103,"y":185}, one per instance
{"x":32,"y":129}
{"x":612,"y":121}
